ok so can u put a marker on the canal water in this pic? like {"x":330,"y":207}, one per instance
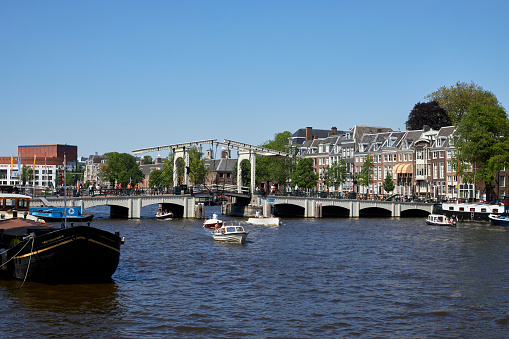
{"x":305,"y":279}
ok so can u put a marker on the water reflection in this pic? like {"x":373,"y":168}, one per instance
{"x":48,"y":309}
{"x":307,"y":278}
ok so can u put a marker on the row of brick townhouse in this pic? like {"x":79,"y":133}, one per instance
{"x":419,"y":162}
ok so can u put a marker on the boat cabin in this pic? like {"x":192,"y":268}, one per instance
{"x":12,"y":205}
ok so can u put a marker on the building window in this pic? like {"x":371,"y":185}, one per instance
{"x":502,"y":181}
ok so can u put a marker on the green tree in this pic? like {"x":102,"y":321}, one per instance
{"x":163,"y":176}
{"x":147,"y":160}
{"x":458,"y":98}
{"x":304,"y":176}
{"x":429,"y":114}
{"x":388,"y":183}
{"x":365,"y":176}
{"x":70,"y":180}
{"x":482,"y":141}
{"x":198,"y":171}
{"x":337,"y":173}
{"x":120,"y":168}
{"x":272,"y":169}
{"x":155,"y":178}
{"x":245,"y":172}
{"x":26,"y":174}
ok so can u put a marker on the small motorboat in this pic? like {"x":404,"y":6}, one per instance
{"x":164,"y":215}
{"x":499,"y":220}
{"x":272,"y":221}
{"x":440,"y":220}
{"x":211,"y":223}
{"x":233,"y":233}
{"x":56,"y":214}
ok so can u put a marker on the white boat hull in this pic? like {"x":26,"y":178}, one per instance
{"x":231,"y":237}
{"x":230,"y":233}
{"x":264,"y":221}
{"x":440,"y":220}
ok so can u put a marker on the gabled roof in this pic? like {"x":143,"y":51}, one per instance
{"x":221,"y":165}
{"x":359,"y":131}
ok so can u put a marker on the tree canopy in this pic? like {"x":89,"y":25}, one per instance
{"x":164,"y":176}
{"x":336,"y":173}
{"x":197,"y":169}
{"x":120,"y":168}
{"x":365,"y":176}
{"x":147,"y":160}
{"x":388,"y":183}
{"x":275,"y":169}
{"x":26,"y":174}
{"x":304,"y":176}
{"x":458,"y":98}
{"x":427,"y":114}
{"x":482,"y":141}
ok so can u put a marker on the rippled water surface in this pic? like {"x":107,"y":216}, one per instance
{"x":307,"y":278}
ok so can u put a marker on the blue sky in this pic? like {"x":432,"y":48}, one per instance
{"x":123,"y":75}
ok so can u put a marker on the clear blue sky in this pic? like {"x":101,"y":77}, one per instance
{"x":123,"y":75}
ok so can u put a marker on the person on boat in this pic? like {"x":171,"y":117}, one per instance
{"x":214,"y":216}
{"x":258,"y":214}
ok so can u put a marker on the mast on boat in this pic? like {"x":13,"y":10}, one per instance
{"x":65,"y":194}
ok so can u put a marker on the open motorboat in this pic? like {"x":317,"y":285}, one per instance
{"x":272,"y":221}
{"x":440,"y":220}
{"x":211,"y":223}
{"x":164,"y":215}
{"x":233,"y":233}
{"x":36,"y":251}
{"x":499,"y":220}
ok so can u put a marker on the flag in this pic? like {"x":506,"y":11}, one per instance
{"x":33,"y":170}
{"x":12,"y":163}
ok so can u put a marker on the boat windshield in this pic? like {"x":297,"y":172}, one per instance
{"x":230,"y":229}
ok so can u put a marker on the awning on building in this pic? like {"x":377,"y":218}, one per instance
{"x":407,"y":168}
{"x":396,"y":168}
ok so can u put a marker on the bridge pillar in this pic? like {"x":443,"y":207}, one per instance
{"x":318,"y":210}
{"x":354,"y":209}
{"x":189,"y":210}
{"x":199,"y":211}
{"x":309,"y":209}
{"x":252,"y":159}
{"x":396,"y":210}
{"x":184,"y":154}
{"x":134,"y":208}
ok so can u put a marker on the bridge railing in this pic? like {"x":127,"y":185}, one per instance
{"x":340,"y":195}
{"x":221,"y":188}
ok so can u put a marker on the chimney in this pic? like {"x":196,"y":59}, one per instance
{"x":334,"y":131}
{"x":225,"y":154}
{"x":426,"y":128}
{"x":329,"y":133}
{"x":309,"y":132}
{"x":142,"y":161}
{"x":159,"y":160}
{"x":209,"y":154}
